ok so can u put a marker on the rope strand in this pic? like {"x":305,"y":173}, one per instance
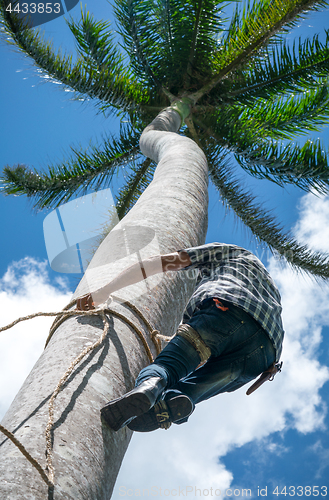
{"x":59,"y":387}
{"x":48,"y":475}
{"x":27,"y":455}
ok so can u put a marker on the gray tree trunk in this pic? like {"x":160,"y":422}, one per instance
{"x":171,"y":214}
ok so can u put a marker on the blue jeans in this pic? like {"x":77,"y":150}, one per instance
{"x":240,"y":351}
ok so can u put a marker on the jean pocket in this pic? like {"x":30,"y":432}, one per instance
{"x":255,"y":363}
{"x":222,"y":322}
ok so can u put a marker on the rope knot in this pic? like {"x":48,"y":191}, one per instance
{"x":154,"y":334}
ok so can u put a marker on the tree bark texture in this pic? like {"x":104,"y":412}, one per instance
{"x":171,"y":214}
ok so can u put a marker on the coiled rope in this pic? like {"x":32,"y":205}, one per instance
{"x":48,"y":474}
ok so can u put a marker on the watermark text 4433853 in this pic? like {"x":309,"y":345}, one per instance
{"x":32,"y":13}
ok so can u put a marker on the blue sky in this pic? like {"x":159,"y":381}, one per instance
{"x":279,"y":435}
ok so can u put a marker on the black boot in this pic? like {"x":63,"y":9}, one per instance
{"x":173,"y":408}
{"x":121,"y":411}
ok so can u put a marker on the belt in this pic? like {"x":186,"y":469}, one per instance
{"x":269,"y":374}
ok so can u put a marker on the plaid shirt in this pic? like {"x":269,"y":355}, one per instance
{"x":231,"y":273}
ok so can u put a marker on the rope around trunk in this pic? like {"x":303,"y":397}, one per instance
{"x":48,"y":474}
{"x":26,"y":454}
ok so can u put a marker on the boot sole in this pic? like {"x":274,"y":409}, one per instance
{"x":119,"y":412}
{"x":178,"y":407}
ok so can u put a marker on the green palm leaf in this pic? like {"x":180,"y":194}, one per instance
{"x":262,"y":225}
{"x":83,"y":171}
{"x":279,"y":70}
{"x":254,"y":26}
{"x":262,"y":22}
{"x":136,"y":183}
{"x":170,"y":41}
{"x":288,"y":117}
{"x":115,"y":86}
{"x":95,"y":42}
{"x":277,"y":117}
{"x":132,"y":16}
{"x":306,"y":166}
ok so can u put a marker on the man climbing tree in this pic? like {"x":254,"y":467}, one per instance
{"x":231,"y":325}
{"x":239,"y":91}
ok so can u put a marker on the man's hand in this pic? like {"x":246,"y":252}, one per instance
{"x":85,"y":303}
{"x":94,"y":299}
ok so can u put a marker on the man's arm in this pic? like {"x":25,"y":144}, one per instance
{"x":133,"y":274}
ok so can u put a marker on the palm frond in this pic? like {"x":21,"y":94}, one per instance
{"x":253,"y":26}
{"x":133,"y":19}
{"x":208,"y":24}
{"x":283,"y":117}
{"x":115,"y":85}
{"x":136,"y":183}
{"x":83,"y":171}
{"x":305,"y":166}
{"x":95,"y":41}
{"x":169,"y":41}
{"x":279,"y":70}
{"x":288,"y":117}
{"x":256,"y":23}
{"x":260,"y":222}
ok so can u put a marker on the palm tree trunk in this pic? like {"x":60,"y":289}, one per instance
{"x":171,"y":214}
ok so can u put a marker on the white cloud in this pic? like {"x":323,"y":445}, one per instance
{"x":312,"y":227}
{"x":25,"y":289}
{"x":322,"y":455}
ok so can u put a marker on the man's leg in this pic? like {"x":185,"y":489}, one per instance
{"x":176,"y":361}
{"x":242,"y":350}
{"x":229,"y":371}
